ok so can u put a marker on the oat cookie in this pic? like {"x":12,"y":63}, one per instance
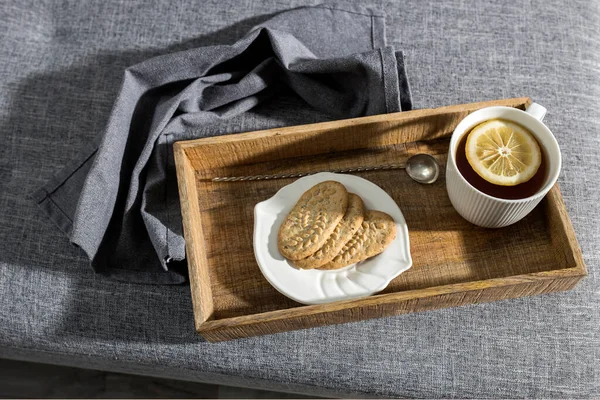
{"x":312,"y":220}
{"x":343,"y":232}
{"x":376,"y":232}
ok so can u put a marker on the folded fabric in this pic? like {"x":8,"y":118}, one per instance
{"x":119,"y":201}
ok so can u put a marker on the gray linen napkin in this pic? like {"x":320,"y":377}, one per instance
{"x":119,"y":201}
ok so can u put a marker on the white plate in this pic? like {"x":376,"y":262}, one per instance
{"x":316,"y":286}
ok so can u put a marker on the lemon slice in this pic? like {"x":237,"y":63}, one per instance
{"x":503,"y":153}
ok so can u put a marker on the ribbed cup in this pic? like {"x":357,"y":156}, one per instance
{"x":491,"y":212}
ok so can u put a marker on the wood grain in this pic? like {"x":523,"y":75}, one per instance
{"x":198,"y":268}
{"x":454,"y":262}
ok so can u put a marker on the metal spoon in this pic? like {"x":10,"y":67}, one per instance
{"x":423,"y":168}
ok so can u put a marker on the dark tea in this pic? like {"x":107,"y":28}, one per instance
{"x":519,"y":191}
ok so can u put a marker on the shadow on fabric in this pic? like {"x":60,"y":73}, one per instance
{"x":77,"y":103}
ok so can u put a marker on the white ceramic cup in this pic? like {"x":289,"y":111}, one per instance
{"x":492,"y":212}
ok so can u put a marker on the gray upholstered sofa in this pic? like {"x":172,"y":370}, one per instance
{"x":60,"y":68}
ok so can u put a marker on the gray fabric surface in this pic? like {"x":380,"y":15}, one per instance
{"x":60,"y":70}
{"x":126,"y":208}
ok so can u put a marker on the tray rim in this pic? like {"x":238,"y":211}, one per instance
{"x":183,"y":145}
{"x":202,"y":299}
{"x":389,"y":298}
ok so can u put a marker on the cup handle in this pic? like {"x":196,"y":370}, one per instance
{"x":536,"y":111}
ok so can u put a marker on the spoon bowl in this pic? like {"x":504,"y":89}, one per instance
{"x":423,"y":168}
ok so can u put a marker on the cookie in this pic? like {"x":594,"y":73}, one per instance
{"x":376,"y":232}
{"x":312,"y":220}
{"x":343,"y":232}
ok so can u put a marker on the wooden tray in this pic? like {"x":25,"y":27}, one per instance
{"x":454,"y":262}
